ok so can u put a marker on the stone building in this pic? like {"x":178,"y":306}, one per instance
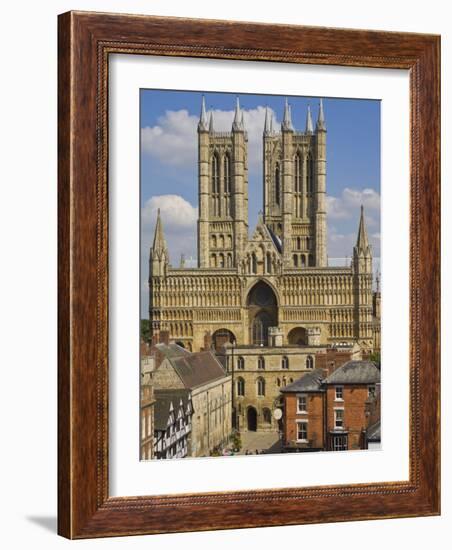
{"x":333,"y":412}
{"x":147,"y":405}
{"x":209,"y":389}
{"x":276,"y":279}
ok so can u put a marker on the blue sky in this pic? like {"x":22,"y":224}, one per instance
{"x":169,"y":165}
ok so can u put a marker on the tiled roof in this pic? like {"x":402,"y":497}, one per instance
{"x":194,"y":369}
{"x":355,"y":372}
{"x":164,"y":398}
{"x":309,"y":382}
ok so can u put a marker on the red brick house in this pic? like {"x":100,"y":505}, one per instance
{"x":331,"y":412}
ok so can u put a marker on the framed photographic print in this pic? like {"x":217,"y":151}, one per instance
{"x":248,"y":275}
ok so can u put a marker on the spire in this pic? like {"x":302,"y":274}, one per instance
{"x":309,"y":127}
{"x":287,"y":118}
{"x":321,"y":118}
{"x":238,"y":119}
{"x":362,"y":242}
{"x":159,"y":238}
{"x":211,"y":122}
{"x":202,"y":124}
{"x":267,"y":126}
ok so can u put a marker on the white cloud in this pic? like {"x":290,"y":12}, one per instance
{"x":174,"y":140}
{"x":177,"y":214}
{"x":347,"y":205}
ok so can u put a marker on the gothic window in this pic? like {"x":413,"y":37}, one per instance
{"x":277,"y":184}
{"x":260,"y":386}
{"x":269,"y":262}
{"x":229,"y":241}
{"x":240,"y":386}
{"x":215,"y":174}
{"x":267,"y":415}
{"x":214,"y":241}
{"x":221,"y":260}
{"x":303,"y":260}
{"x":298,"y":172}
{"x":261,"y":363}
{"x":285,"y":362}
{"x":221,"y":242}
{"x":240,"y":363}
{"x":278,"y":382}
{"x":253,"y":263}
{"x":227,"y":173}
{"x":229,"y":260}
{"x":310,"y":166}
{"x":299,"y":243}
{"x":309,"y":362}
{"x":213,"y":260}
{"x":260,"y":329}
{"x":295,"y":260}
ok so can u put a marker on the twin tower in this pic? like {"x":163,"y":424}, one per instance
{"x":294,"y":186}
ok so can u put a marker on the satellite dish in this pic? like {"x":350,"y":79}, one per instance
{"x":277,"y":414}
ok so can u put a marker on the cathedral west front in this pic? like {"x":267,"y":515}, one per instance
{"x":273,"y":285}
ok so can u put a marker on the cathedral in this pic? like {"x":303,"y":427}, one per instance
{"x":273,"y":287}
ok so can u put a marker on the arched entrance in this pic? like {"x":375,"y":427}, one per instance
{"x":262,"y":312}
{"x":298,"y":336}
{"x":251,"y":419}
{"x":221,"y":337}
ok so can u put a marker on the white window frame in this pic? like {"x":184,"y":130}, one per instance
{"x":305,"y":422}
{"x":305,"y":397}
{"x":336,"y":427}
{"x":341,"y":388}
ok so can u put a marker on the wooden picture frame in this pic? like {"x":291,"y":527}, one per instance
{"x":86,"y":40}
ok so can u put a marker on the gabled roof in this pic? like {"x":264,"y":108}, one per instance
{"x":309,"y":382}
{"x":197,"y":369}
{"x":194,"y":369}
{"x":162,"y":407}
{"x":355,"y":372}
{"x":276,"y":240}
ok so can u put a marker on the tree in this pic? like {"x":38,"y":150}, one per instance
{"x":145,"y":330}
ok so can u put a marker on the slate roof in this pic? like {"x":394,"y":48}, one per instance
{"x":276,"y":240}
{"x":172,"y":350}
{"x":374,"y":432}
{"x":164,"y":398}
{"x":310,"y":382}
{"x":355,"y":372}
{"x":194,"y":369}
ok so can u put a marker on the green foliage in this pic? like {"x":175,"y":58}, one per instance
{"x":145,"y":330}
{"x":375,"y":357}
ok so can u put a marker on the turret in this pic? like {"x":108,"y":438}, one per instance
{"x":158,"y":257}
{"x":320,"y":185}
{"x":238,"y":124}
{"x":287,"y":184}
{"x":309,"y":127}
{"x":203,"y":179}
{"x":287,"y":118}
{"x":362,"y":252}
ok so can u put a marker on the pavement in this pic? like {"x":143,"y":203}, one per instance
{"x":260,"y":441}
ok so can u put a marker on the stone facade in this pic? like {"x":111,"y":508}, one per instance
{"x":259,"y":374}
{"x":279,"y":277}
{"x":209,"y":388}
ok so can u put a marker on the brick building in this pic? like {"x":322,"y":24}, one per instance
{"x":332,"y":412}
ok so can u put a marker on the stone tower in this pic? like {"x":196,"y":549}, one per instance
{"x":158,"y":256}
{"x":362,"y":284}
{"x":223,"y":192}
{"x":295,"y":187}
